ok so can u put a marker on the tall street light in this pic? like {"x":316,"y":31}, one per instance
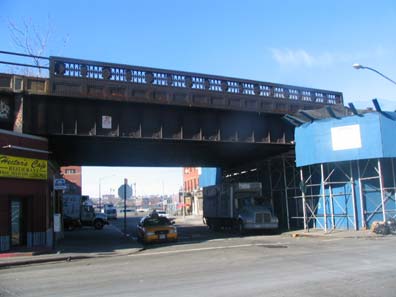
{"x":100,"y":188}
{"x":358,"y":66}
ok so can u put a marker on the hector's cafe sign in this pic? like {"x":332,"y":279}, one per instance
{"x":18,"y":167}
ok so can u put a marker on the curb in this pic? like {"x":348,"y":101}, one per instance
{"x":308,"y":235}
{"x":66,"y":258}
{"x":330,"y":235}
{"x":42,"y":260}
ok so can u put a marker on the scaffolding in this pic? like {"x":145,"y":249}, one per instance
{"x":329,"y":196}
{"x":346,"y":195}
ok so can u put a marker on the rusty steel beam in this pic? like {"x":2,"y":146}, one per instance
{"x":116,"y":151}
{"x":46,"y":115}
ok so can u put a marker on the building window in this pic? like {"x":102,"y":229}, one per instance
{"x":70,"y":171}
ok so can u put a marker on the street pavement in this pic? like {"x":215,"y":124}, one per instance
{"x":254,"y":265}
{"x":111,"y":241}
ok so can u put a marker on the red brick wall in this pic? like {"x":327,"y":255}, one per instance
{"x":190,"y":178}
{"x":72,"y":174}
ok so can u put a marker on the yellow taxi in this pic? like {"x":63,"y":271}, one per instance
{"x":156,"y":229}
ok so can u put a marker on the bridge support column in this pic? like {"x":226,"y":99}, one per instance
{"x":18,"y":113}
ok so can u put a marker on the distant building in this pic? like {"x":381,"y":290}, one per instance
{"x":73,"y":177}
{"x":194,"y":179}
{"x":191,"y":203}
{"x":191,"y":178}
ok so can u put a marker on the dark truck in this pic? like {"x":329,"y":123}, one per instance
{"x":238,"y":205}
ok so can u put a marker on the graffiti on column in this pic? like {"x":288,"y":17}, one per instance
{"x":5,"y":110}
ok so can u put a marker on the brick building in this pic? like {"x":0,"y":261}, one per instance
{"x":73,"y":177}
{"x":27,"y":200}
{"x":192,"y":200}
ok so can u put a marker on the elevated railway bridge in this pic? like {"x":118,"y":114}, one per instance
{"x":97,"y":113}
{"x":92,"y":113}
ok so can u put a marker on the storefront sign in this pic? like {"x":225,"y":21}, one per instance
{"x":18,"y":167}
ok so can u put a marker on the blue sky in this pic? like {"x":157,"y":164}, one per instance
{"x":303,"y":43}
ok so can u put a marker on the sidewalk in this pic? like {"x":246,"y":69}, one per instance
{"x":78,"y":244}
{"x":195,"y":220}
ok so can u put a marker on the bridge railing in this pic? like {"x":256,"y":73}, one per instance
{"x":67,"y":68}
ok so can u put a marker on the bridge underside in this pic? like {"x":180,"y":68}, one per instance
{"x":91,"y":132}
{"x":106,"y":151}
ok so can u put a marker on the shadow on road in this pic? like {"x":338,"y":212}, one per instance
{"x":111,"y":238}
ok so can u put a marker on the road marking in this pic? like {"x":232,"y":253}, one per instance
{"x":205,"y":249}
{"x":332,"y":239}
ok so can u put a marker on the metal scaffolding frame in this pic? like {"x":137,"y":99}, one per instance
{"x":377,"y":176}
{"x":284,"y":187}
{"x":274,"y":168}
{"x":329,"y":196}
{"x":351,"y":193}
{"x":280,"y":179}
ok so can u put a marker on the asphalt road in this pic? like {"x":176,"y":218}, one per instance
{"x":187,"y":230}
{"x":248,"y":266}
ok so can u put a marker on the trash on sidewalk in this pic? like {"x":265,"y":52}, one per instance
{"x":384,"y":228}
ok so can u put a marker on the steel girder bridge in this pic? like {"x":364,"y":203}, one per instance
{"x":96,"y":113}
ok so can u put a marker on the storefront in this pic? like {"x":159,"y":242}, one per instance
{"x":26,"y":197}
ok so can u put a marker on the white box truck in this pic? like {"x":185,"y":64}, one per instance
{"x":78,"y":211}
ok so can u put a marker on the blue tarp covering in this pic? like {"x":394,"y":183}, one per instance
{"x":350,"y":138}
{"x":209,"y":177}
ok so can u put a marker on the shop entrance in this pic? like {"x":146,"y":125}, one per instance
{"x":18,"y":226}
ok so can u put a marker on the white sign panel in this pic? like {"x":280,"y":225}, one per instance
{"x":346,"y":137}
{"x":57,"y":222}
{"x":106,"y":122}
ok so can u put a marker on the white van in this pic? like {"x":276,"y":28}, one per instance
{"x":110,"y":211}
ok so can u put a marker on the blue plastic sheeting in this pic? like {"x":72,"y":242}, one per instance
{"x":388,"y":128}
{"x":340,"y":199}
{"x":342,"y":205}
{"x":210,"y":176}
{"x":350,"y":138}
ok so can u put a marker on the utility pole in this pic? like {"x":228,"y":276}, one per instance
{"x":125,"y":197}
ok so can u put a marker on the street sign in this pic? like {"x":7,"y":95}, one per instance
{"x":122,"y":191}
{"x":59,"y":184}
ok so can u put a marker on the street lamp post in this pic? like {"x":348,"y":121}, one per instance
{"x":358,"y":66}
{"x":100,"y":189}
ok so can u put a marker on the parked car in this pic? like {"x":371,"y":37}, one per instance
{"x":126,"y":210}
{"x":142,"y":210}
{"x":156,"y":229}
{"x":110,"y":211}
{"x":163,"y":213}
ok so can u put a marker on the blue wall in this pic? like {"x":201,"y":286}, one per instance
{"x":314,"y":143}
